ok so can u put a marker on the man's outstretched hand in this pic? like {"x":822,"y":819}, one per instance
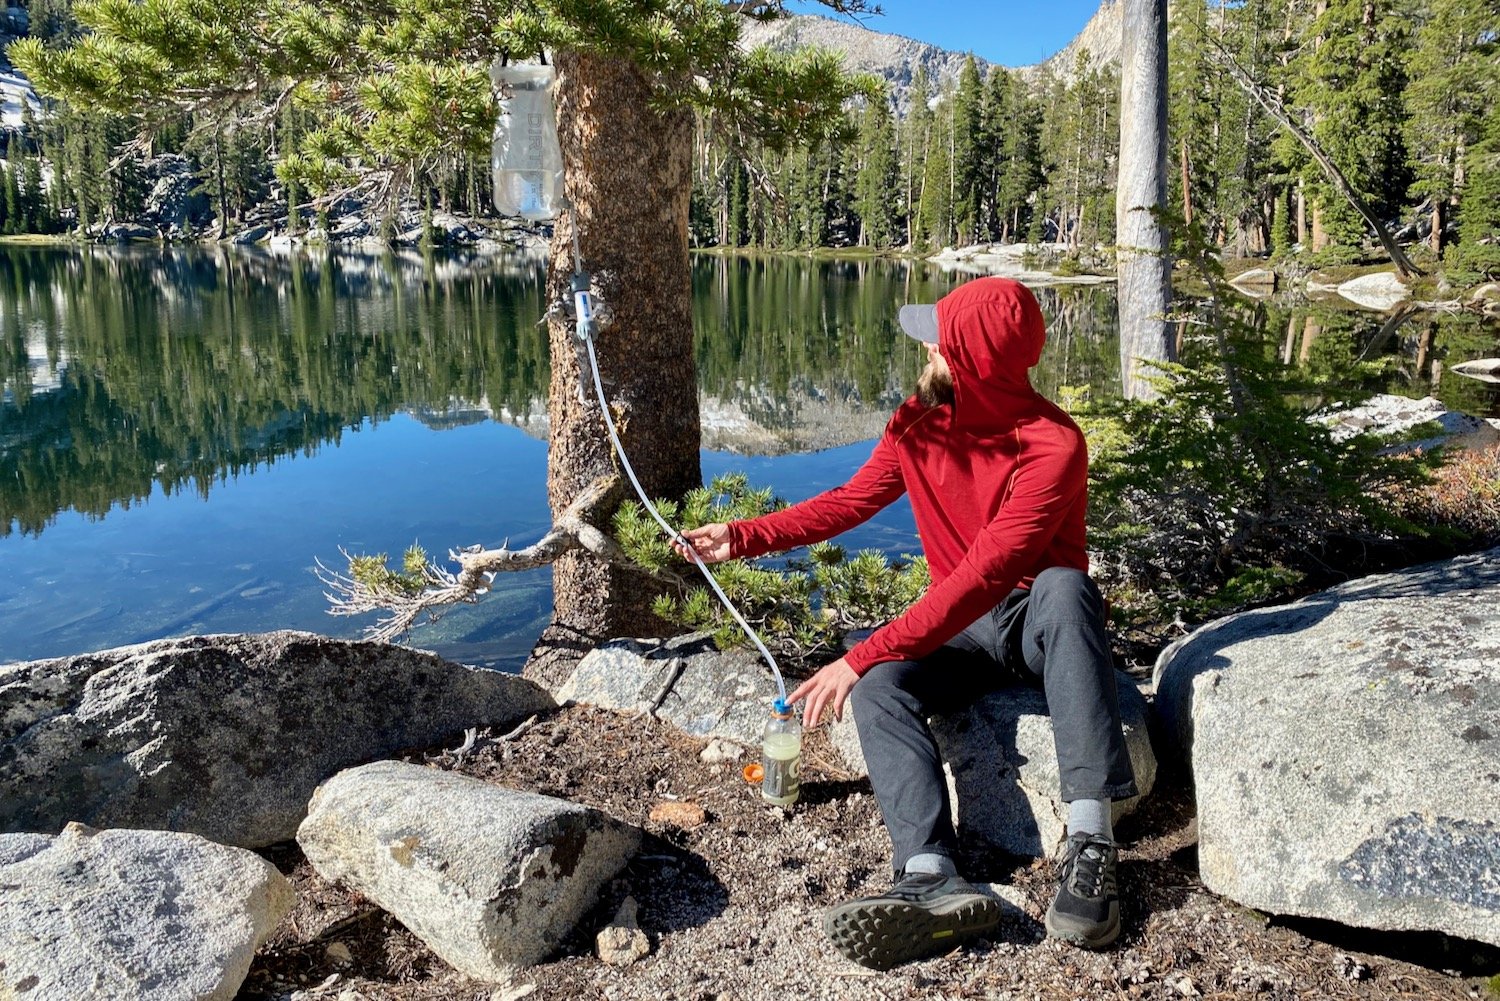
{"x":825,"y":690}
{"x":710,"y":542}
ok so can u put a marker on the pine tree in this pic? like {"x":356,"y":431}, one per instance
{"x":15,"y":218}
{"x":1020,"y":166}
{"x":1081,"y":133}
{"x":96,"y":168}
{"x":876,"y":183}
{"x":34,"y":195}
{"x":968,"y":146}
{"x":935,"y":206}
{"x":737,"y":220}
{"x":51,"y":19}
{"x":915,"y":134}
{"x":1248,"y":181}
{"x":1478,"y":251}
{"x":1284,"y":75}
{"x":996,"y":123}
{"x":1193,"y":117}
{"x":1354,"y":79}
{"x":1454,"y":76}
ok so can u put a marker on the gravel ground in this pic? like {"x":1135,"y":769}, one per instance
{"x":733,"y":905}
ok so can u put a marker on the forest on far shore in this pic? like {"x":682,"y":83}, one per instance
{"x":1401,"y":95}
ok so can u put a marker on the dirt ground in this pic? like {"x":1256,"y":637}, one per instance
{"x":733,"y":906}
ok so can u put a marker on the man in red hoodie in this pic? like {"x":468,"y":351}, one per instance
{"x":997,"y":477}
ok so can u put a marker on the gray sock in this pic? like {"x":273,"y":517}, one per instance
{"x":1091,"y":816}
{"x":931,"y":862}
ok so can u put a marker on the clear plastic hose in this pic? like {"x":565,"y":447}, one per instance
{"x":585,"y":316}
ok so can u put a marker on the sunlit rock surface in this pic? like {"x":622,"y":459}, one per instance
{"x":1345,"y":750}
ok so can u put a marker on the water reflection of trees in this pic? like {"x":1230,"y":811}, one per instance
{"x":127,"y":369}
{"x":774,"y":333}
{"x":1405,"y":353}
{"x":182,"y":368}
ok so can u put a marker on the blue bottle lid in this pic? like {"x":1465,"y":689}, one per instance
{"x":780,"y":708}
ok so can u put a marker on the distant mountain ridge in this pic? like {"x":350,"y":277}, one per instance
{"x":893,"y":58}
{"x":896,"y":58}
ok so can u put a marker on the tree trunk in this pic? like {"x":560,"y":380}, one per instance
{"x":1187,"y":189}
{"x":1144,"y":267}
{"x":628,"y":173}
{"x":1311,"y":331}
{"x":1301,"y":215}
{"x":221,"y":191}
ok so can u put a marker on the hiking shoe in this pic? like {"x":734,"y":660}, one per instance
{"x":921,"y":915}
{"x":1086,"y":910}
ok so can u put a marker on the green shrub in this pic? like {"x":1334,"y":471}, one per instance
{"x":1226,"y":491}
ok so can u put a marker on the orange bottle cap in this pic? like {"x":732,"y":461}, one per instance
{"x":754,"y":772}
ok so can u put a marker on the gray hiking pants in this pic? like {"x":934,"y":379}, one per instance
{"x":1051,"y":636}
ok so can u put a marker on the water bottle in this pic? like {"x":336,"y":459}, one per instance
{"x":781,"y":756}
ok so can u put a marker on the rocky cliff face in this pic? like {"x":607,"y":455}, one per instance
{"x":893,"y":58}
{"x":896,"y":58}
{"x":1101,"y":37}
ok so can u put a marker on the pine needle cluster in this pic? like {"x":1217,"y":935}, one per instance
{"x":802,"y":607}
{"x":374,"y":572}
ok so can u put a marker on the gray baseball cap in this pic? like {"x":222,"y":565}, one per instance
{"x":920,"y":322}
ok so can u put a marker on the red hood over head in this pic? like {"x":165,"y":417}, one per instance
{"x":990,"y":332}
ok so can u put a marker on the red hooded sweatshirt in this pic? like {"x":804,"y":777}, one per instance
{"x":997,"y":478}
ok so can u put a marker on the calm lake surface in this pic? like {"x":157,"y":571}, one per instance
{"x":184,"y":432}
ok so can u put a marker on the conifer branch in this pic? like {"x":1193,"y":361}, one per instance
{"x":430,"y":589}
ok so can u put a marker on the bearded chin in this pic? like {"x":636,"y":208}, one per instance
{"x":933,"y":388}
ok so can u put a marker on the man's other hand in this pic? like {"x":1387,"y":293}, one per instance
{"x":710,"y":542}
{"x":825,"y":690}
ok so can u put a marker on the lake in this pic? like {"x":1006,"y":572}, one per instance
{"x":185,"y":432}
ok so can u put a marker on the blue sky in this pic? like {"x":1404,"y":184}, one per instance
{"x":1003,"y":31}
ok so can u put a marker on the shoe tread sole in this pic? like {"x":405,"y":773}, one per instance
{"x":882,"y":933}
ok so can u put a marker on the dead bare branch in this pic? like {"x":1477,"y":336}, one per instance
{"x":443,"y":588}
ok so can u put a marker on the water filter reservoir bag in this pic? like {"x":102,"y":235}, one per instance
{"x":525,"y":159}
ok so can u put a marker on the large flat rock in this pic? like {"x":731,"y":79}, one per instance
{"x":1346,"y":750}
{"x":490,"y":878}
{"x":131,"y":915}
{"x":1001,"y":764}
{"x":693,"y":685}
{"x":224,"y":736}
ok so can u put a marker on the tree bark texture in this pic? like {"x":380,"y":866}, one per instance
{"x":1143,"y":264}
{"x":628,"y":178}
